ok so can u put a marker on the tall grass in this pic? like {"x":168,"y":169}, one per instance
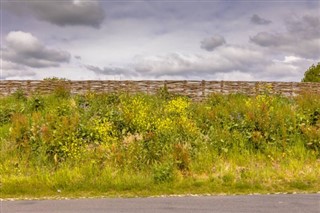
{"x":120,"y":144}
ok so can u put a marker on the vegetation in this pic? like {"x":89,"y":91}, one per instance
{"x":312,"y":74}
{"x":61,"y":145}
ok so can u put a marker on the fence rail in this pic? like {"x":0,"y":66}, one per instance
{"x":196,"y":90}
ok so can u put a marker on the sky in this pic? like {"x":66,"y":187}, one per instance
{"x":236,"y":40}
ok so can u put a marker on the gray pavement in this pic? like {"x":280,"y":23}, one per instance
{"x":309,"y":203}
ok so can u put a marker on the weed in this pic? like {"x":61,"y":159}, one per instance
{"x":151,"y":144}
{"x":163,"y":173}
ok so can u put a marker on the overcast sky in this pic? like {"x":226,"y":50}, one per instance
{"x":270,"y":40}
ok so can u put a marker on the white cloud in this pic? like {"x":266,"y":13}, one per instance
{"x":25,"y":49}
{"x":275,"y":72}
{"x":290,"y":68}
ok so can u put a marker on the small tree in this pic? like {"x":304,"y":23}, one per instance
{"x":312,"y":74}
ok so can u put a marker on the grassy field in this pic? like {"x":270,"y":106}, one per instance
{"x":62,"y":145}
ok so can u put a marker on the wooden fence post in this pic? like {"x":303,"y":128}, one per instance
{"x":203,"y":88}
{"x":184,"y":89}
{"x":257,"y":86}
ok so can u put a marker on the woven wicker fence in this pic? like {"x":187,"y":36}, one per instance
{"x":196,"y":90}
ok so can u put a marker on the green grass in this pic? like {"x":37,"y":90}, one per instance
{"x":60,"y":145}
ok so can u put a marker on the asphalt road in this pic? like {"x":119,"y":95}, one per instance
{"x":309,"y":203}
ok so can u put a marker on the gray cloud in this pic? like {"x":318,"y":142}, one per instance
{"x":14,"y":74}
{"x":213,"y":42}
{"x":267,"y":39}
{"x":62,"y":13}
{"x":10,"y":69}
{"x":307,"y":28}
{"x":227,"y":63}
{"x":302,"y":38}
{"x":108,"y":70}
{"x":24,"y":49}
{"x":225,"y":60}
{"x":255,"y":19}
{"x":7,"y":65}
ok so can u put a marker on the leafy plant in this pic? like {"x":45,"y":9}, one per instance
{"x":163,"y":173}
{"x":19,"y":94}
